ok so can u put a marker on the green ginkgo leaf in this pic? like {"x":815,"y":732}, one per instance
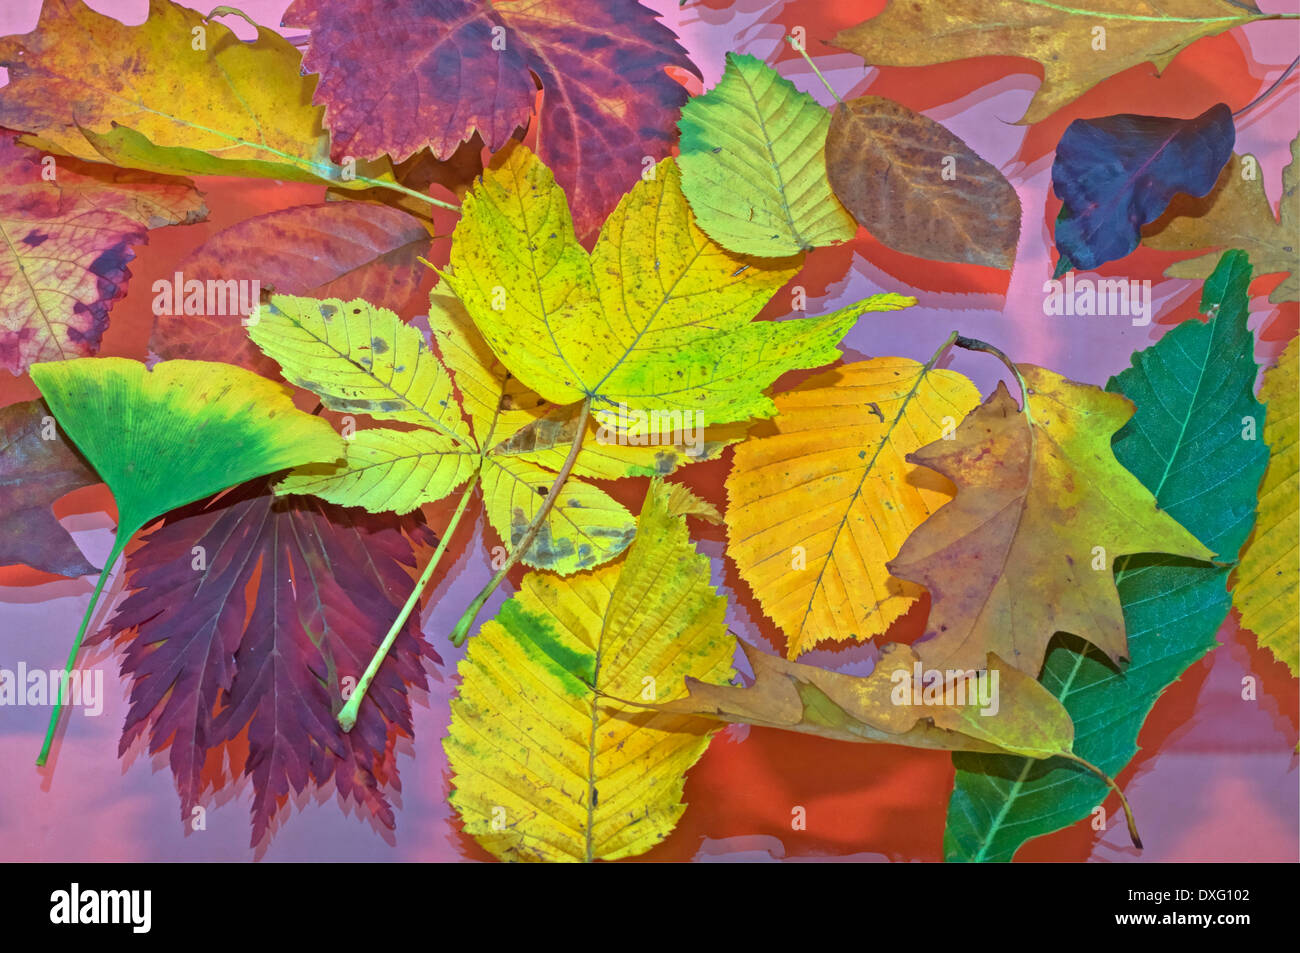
{"x":165,"y":437}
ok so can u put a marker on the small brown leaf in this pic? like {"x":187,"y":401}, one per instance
{"x":887,"y":164}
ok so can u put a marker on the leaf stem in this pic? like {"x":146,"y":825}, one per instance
{"x":1128,"y":811}
{"x":118,"y":546}
{"x":943,"y":349}
{"x":459,"y":633}
{"x":348,"y":716}
{"x":1268,"y":92}
{"x":972,"y":344}
{"x":804,"y":53}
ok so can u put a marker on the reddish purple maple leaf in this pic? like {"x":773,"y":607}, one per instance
{"x":399,"y":77}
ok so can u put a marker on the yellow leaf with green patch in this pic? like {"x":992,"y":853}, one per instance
{"x":547,"y":764}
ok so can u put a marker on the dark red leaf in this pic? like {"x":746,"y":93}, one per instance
{"x":292,"y":597}
{"x":396,"y":77}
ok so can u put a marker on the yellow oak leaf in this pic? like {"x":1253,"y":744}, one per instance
{"x":823,"y":498}
{"x":180,"y":93}
{"x":1028,"y":546}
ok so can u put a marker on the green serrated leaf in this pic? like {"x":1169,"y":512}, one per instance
{"x":1186,"y":444}
{"x":753,"y":161}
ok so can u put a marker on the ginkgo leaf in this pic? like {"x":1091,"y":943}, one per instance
{"x":362,"y":359}
{"x":547,"y":765}
{"x":819,"y":502}
{"x":262,"y":638}
{"x":1187,"y":445}
{"x":1237,"y":214}
{"x":753,"y":164}
{"x":36,"y":468}
{"x":1061,"y":37}
{"x":173,"y":434}
{"x":451,"y":67}
{"x":1043,"y":509}
{"x":657,"y":318}
{"x":881,"y":159}
{"x":1265,"y":590}
{"x":179,"y":93}
{"x":339,"y":250}
{"x":998,"y":710}
{"x":65,"y":244}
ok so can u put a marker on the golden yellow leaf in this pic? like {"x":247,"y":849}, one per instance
{"x":180,"y":93}
{"x":819,"y":506}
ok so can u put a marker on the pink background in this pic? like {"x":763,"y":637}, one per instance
{"x":1216,"y":779}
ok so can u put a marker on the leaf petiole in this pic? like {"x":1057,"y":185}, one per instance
{"x":118,"y":546}
{"x":348,"y":716}
{"x":459,"y":633}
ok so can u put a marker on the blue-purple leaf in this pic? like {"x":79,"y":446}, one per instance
{"x":1118,"y":173}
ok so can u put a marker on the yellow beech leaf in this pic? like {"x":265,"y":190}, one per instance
{"x":817,"y":506}
{"x":1266,"y":586}
{"x":547,"y":764}
{"x":1078,"y":43}
{"x":1028,"y":546}
{"x":180,"y":93}
{"x":658,"y":318}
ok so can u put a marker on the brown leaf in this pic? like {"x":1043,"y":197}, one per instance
{"x":34,"y":472}
{"x":1043,"y":509}
{"x":1237,"y":214}
{"x":887,"y":163}
{"x":1001,"y":710}
{"x":337,"y":249}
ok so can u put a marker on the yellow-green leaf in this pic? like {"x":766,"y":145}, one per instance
{"x":546,"y":764}
{"x":585,"y":527}
{"x":658,"y":317}
{"x":753,"y":163}
{"x":165,"y":437}
{"x":359,"y":358}
{"x":1265,"y":592}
